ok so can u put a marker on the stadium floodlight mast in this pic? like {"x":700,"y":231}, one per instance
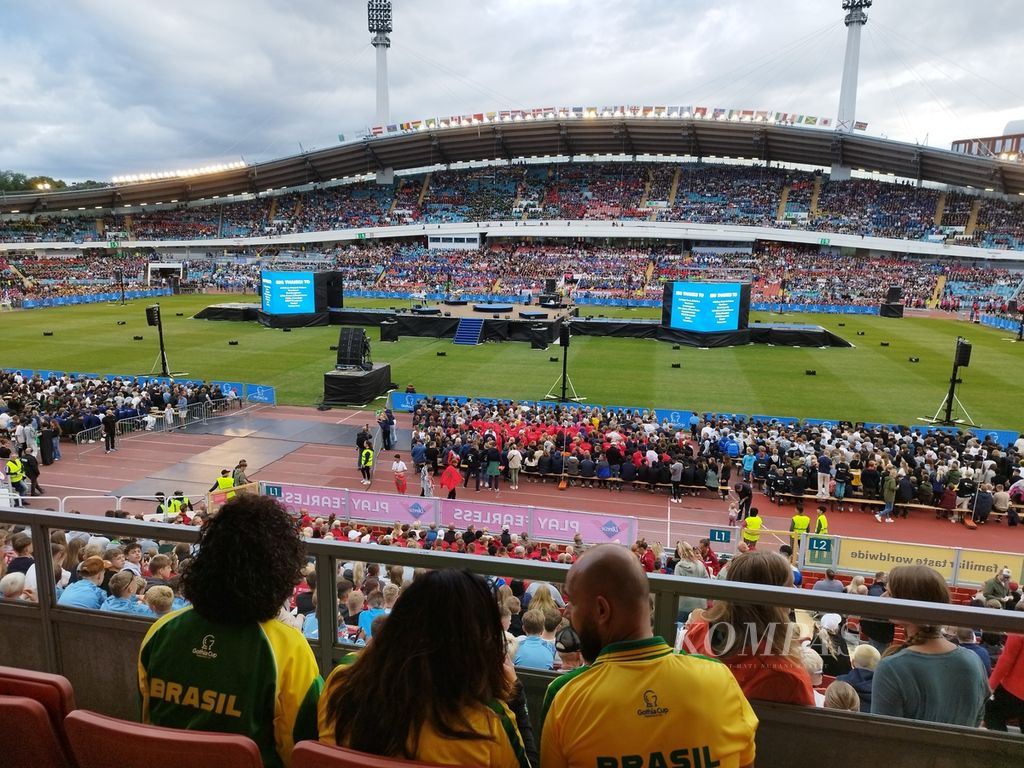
{"x":856,"y":18}
{"x":378,"y":21}
{"x":378,"y":16}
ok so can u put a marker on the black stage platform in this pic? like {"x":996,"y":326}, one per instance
{"x":229,"y":312}
{"x":493,"y":309}
{"x":779,"y":334}
{"x":357,"y":387}
{"x":427,"y":311}
{"x":545,"y":330}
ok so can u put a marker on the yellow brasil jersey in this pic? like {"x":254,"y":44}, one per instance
{"x":641,"y":705}
{"x":257,"y":680}
{"x":500,"y":745}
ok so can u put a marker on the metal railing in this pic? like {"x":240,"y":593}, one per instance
{"x":196,"y":413}
{"x":666,"y":589}
{"x":46,"y":636}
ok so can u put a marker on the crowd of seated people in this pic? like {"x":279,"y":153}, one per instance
{"x":876,"y":209}
{"x":391,"y":614}
{"x":957,"y":211}
{"x":779,"y":273}
{"x":590,"y":447}
{"x":705,"y":193}
{"x":1000,"y":224}
{"x":180,"y":224}
{"x":809,"y":275}
{"x":980,"y":289}
{"x":711,"y":194}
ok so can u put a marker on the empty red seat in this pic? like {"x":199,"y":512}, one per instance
{"x":313,"y":754}
{"x":30,"y":740}
{"x":98,"y":741}
{"x":53,"y":692}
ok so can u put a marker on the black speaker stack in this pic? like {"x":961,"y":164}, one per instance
{"x":353,"y":349}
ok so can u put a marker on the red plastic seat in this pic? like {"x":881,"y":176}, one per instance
{"x":99,"y":741}
{"x":313,"y":754}
{"x":53,"y":692}
{"x":30,"y":740}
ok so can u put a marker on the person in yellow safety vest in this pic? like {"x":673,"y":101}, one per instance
{"x":798,"y":527}
{"x":163,"y":507}
{"x":180,"y":504}
{"x":821,"y":525}
{"x":224,"y":481}
{"x":15,"y":470}
{"x":366,"y":463}
{"x":752,"y":524}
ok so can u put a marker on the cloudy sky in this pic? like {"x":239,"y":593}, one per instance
{"x":95,"y":88}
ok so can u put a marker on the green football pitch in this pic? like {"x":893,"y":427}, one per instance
{"x":868,"y":382}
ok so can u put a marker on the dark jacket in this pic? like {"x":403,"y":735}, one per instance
{"x":860,"y":679}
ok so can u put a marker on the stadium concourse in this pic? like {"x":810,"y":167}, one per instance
{"x":306,"y":447}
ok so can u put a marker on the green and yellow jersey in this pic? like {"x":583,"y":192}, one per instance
{"x":499,"y":745}
{"x":641,"y":705}
{"x":258,"y":680}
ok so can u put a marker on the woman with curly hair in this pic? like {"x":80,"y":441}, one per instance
{"x":758,"y":643}
{"x":225,"y":663}
{"x":927,"y":677}
{"x":421,"y":691}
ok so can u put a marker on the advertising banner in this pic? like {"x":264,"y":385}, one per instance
{"x":977,"y":566}
{"x":479,"y":514}
{"x":391,"y":508}
{"x":869,"y":556}
{"x":299,"y":499}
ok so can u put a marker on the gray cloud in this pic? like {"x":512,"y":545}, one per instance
{"x":94,"y":88}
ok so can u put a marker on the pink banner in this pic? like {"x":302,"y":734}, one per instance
{"x":480,"y":515}
{"x":563,"y":525}
{"x":299,"y":499}
{"x":540,"y":524}
{"x":387,"y":508}
{"x":390,"y":508}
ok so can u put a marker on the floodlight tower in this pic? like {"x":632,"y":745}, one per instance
{"x":855,"y":20}
{"x":378,"y":17}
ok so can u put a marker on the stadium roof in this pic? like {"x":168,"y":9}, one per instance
{"x":554,"y":137}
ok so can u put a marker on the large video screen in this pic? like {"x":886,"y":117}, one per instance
{"x":706,"y":307}
{"x":288,"y":293}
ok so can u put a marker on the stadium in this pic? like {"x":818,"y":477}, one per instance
{"x":697,"y":334}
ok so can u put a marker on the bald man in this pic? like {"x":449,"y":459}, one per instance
{"x":638,"y":703}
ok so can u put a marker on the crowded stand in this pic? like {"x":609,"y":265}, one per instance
{"x":957,"y":212}
{"x":876,"y":209}
{"x":704,"y":193}
{"x":779,"y":273}
{"x":1000,"y":224}
{"x":809,"y":275}
{"x":726,"y":194}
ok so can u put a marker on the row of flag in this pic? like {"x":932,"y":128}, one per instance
{"x":553,"y":113}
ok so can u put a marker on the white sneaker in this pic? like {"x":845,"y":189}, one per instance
{"x":878,"y":518}
{"x":889,"y":520}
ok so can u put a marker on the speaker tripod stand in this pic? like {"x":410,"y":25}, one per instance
{"x":563,"y":382}
{"x":945,"y":412}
